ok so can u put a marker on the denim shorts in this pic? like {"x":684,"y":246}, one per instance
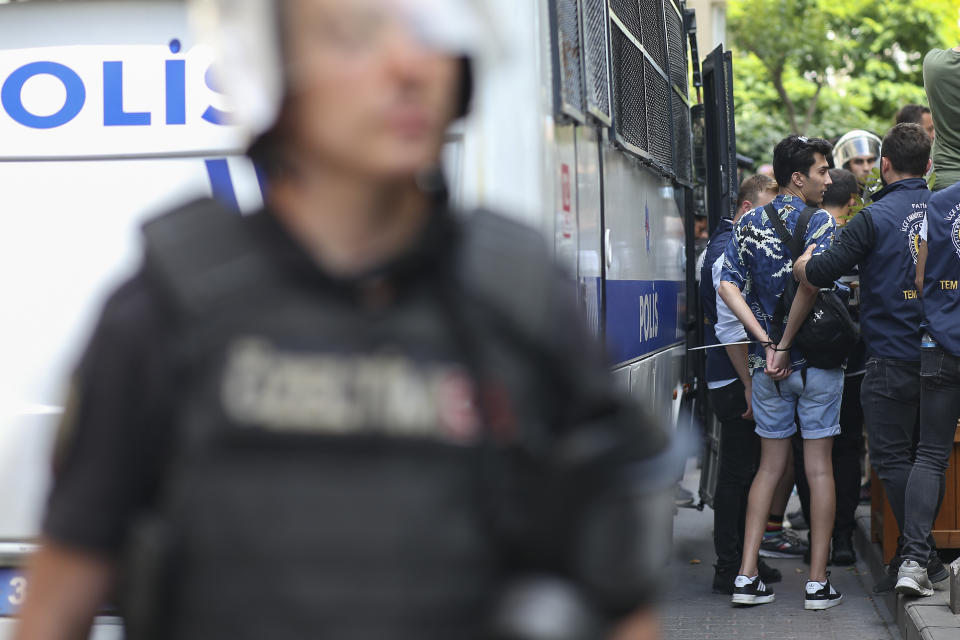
{"x":816,"y":403}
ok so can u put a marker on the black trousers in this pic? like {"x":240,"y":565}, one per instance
{"x":739,"y":458}
{"x":847,"y":449}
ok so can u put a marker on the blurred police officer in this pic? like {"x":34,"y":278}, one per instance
{"x":350,"y":415}
{"x":882,"y":239}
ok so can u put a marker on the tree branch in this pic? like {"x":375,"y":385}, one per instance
{"x":812,"y":106}
{"x":776,"y":76}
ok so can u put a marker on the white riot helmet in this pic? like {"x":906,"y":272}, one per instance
{"x":853,"y":144}
{"x":246,"y":36}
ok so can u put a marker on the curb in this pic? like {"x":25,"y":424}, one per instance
{"x":917,"y":618}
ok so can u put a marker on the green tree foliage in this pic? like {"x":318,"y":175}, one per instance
{"x":823,"y":67}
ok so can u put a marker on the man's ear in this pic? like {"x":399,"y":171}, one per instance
{"x":797,"y":179}
{"x":852,"y":201}
{"x":929,"y":164}
{"x":884,"y":165}
{"x":746,"y":206}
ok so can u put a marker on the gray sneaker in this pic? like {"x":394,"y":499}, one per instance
{"x":912,"y":580}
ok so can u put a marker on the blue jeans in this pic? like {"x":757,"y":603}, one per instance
{"x":813,"y":395}
{"x":939,"y":412}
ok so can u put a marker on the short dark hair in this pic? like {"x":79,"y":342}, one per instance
{"x":912,"y":113}
{"x":795,"y":153}
{"x":752,"y":187}
{"x":844,"y":185}
{"x":907,"y":146}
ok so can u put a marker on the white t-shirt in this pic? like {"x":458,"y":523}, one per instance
{"x":728,"y":327}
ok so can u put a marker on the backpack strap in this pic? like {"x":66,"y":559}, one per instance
{"x":201,"y":254}
{"x":800,"y":232}
{"x":778,"y":225}
{"x":794,"y":241}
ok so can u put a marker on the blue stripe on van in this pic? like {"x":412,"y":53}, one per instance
{"x":643,"y":316}
{"x":221,"y":183}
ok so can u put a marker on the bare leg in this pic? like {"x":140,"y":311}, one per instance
{"x":773,"y":461}
{"x":782,"y":493}
{"x":823,"y":501}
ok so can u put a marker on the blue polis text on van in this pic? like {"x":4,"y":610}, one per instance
{"x":114,"y":114}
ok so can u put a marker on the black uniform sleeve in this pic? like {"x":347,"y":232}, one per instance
{"x":855,"y":241}
{"x":112,"y":437}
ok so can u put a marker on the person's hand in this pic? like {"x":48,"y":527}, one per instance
{"x":778,"y":363}
{"x":781,"y":359}
{"x":800,"y":264}
{"x":748,"y":396}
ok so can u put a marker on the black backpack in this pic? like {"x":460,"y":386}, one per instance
{"x":828,"y":335}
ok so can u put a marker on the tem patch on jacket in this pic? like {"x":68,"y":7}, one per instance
{"x":347,"y":394}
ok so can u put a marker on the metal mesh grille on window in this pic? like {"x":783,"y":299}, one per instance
{"x":683,"y":140}
{"x":571,"y":83}
{"x":658,"y":116}
{"x":654,"y":39}
{"x":676,"y":48}
{"x":595,"y":56}
{"x":629,"y":13}
{"x":630,"y":112}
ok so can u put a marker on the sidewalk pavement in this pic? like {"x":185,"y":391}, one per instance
{"x":916,"y":618}
{"x":690,"y":611}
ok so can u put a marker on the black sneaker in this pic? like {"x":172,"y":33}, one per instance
{"x":797,"y":521}
{"x":785,"y":544}
{"x":936,"y":570}
{"x":843,"y":553}
{"x":768,"y":574}
{"x":889,"y":579}
{"x":750,"y":591}
{"x":820,"y":596}
{"x":723,"y":581}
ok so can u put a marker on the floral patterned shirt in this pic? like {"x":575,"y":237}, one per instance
{"x":759,"y":263}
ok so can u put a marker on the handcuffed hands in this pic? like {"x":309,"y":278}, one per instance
{"x":778,"y":361}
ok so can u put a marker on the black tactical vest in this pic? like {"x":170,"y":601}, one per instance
{"x":333,"y":474}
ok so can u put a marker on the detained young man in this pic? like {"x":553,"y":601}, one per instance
{"x":756,"y":266}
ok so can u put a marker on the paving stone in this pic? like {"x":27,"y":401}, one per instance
{"x":940,"y":633}
{"x":934,"y":616}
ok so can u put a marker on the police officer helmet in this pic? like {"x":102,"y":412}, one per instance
{"x":853,"y":144}
{"x":247,"y":40}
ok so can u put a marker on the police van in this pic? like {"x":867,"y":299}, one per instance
{"x":108,"y":115}
{"x":111,"y":112}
